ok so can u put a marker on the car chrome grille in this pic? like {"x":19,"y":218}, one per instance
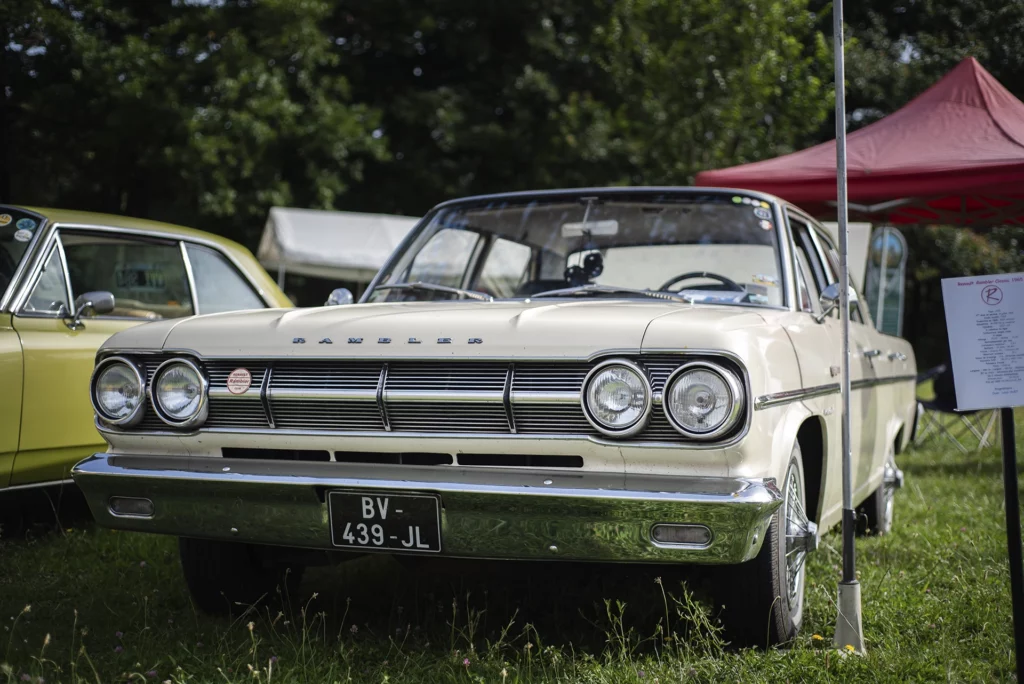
{"x":430,"y":397}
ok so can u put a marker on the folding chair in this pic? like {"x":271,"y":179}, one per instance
{"x":933,"y":415}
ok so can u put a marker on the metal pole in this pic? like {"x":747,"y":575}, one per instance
{"x":1013,"y":534}
{"x":849,"y":631}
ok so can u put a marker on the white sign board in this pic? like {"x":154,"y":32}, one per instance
{"x":985,"y":323}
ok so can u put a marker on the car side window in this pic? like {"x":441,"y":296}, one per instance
{"x":147,"y":277}
{"x":832,"y":264}
{"x":219,"y":285}
{"x":810,"y":276}
{"x":50,"y":293}
{"x":505,"y":269}
{"x":445,"y":258}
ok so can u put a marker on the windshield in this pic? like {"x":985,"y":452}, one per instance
{"x":707,"y":248}
{"x":17,"y":228}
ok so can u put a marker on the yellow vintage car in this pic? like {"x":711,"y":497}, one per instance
{"x":68,"y":281}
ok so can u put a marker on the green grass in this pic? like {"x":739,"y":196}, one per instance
{"x":86,"y":604}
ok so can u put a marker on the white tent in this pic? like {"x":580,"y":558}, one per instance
{"x":339,"y":245}
{"x":860,"y":236}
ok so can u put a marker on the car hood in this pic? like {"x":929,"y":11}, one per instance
{"x":536,"y":329}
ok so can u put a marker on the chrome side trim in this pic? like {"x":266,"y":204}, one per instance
{"x":36,"y":485}
{"x":875,"y":382}
{"x":190,"y":277}
{"x":780,"y":398}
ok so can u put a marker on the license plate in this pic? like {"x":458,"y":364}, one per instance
{"x":385,"y":521}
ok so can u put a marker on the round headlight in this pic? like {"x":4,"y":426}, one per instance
{"x":118,"y":391}
{"x":617,"y":398}
{"x":703,"y":400}
{"x":179,"y":393}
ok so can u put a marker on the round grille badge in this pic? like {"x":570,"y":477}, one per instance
{"x":239,"y":380}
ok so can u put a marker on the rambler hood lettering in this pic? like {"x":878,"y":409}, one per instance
{"x":512,"y":330}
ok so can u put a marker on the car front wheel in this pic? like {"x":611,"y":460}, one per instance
{"x":763,"y":598}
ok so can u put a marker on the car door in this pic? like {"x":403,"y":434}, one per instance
{"x":866,"y":376}
{"x":149,"y":281}
{"x":151,"y":278}
{"x":817,"y":344}
{"x":10,"y":397}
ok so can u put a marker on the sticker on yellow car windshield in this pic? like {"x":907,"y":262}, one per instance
{"x":5,"y":219}
{"x":23,"y":235}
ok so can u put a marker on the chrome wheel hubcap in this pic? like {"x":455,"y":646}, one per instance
{"x":801,"y":537}
{"x":892,"y":478}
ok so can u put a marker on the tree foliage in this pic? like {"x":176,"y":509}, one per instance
{"x":208,"y":112}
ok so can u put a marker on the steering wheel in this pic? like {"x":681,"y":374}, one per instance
{"x":728,"y":282}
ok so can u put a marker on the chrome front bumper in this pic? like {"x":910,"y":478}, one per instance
{"x":485,"y":512}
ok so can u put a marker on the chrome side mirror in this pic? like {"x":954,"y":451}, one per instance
{"x":341,"y":295}
{"x":97,"y":303}
{"x":829,"y":300}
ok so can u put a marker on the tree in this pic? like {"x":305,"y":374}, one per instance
{"x":204,"y":113}
{"x":484,"y":97}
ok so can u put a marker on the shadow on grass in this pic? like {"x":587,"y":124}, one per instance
{"x":33,"y":513}
{"x":474,"y":601}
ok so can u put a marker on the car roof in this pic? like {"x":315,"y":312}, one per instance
{"x":90,"y":218}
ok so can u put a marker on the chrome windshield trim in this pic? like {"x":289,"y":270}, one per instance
{"x":27,"y":265}
{"x":190,"y":277}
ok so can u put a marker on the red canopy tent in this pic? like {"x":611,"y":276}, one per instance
{"x":954,"y":155}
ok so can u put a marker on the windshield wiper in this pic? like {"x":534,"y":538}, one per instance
{"x":431,"y":287}
{"x":611,"y":289}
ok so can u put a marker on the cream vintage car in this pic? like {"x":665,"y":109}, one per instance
{"x":639,"y":375}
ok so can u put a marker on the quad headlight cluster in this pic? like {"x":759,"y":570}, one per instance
{"x":179,"y":393}
{"x":701,"y":400}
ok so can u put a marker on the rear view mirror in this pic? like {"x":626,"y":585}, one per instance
{"x":341,"y":295}
{"x":607,"y":227}
{"x":94,"y":303}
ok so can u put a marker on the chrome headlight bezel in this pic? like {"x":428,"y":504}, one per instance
{"x":737,"y":396}
{"x":203,"y":409}
{"x":641,"y":421}
{"x":140,"y":409}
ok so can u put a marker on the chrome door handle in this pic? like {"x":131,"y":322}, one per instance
{"x":872,"y":353}
{"x":897,"y":356}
